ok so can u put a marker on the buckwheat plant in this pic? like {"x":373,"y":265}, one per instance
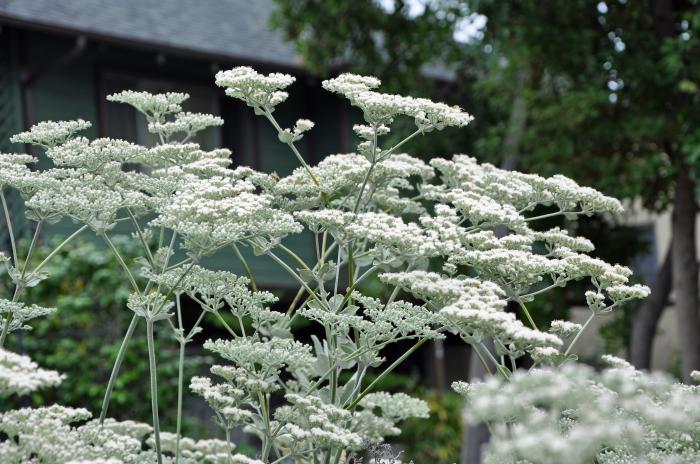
{"x":452,"y":240}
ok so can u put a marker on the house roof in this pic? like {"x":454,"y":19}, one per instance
{"x":226,"y":30}
{"x":220,"y":29}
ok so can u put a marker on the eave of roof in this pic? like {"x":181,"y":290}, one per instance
{"x":227,"y":31}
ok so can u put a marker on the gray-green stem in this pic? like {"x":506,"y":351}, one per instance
{"x":248,"y":272}
{"x":122,"y":263}
{"x":10,"y":231}
{"x":386,"y":372}
{"x":180,"y":379}
{"x":20,"y":286}
{"x":154,"y":389}
{"x":59,"y":248}
{"x":578,"y":335}
{"x":117,"y":366}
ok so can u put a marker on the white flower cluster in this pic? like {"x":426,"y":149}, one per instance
{"x":296,"y":133}
{"x":154,"y":106}
{"x":398,"y":406}
{"x":564,"y":329}
{"x":340,"y":178}
{"x":186,"y":123}
{"x":209,"y":451}
{"x":265,"y":356}
{"x":152,"y":306}
{"x":380,"y":109}
{"x":19,"y":313}
{"x":48,"y":134}
{"x":475,"y":308}
{"x":216,"y":290}
{"x":475,"y":323}
{"x":94,"y":156}
{"x":82,"y":197}
{"x":20,"y":375}
{"x":212,"y":213}
{"x":310,"y":421}
{"x":575,"y":415}
{"x":373,"y":324}
{"x":255,"y":89}
{"x":48,"y":435}
{"x":522,"y":191}
{"x":440,"y":291}
{"x":14,"y":170}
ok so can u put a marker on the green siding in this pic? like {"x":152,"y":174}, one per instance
{"x":10,"y":124}
{"x":69,"y":92}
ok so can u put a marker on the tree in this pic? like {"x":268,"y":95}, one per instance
{"x":641,"y":142}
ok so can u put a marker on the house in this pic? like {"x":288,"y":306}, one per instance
{"x":58,"y":61}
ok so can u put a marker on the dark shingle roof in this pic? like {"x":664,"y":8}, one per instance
{"x":235,"y":29}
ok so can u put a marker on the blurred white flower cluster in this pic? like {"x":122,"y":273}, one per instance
{"x":578,"y":416}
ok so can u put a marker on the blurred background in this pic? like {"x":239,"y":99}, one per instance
{"x":605,"y":92}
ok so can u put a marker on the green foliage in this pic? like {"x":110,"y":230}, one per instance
{"x":438,"y":438}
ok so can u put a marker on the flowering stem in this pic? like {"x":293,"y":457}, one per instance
{"x":228,"y":442}
{"x":398,"y":145}
{"x":300,"y":292}
{"x":556,"y":213}
{"x":146,"y":248}
{"x":8,"y":318}
{"x":296,"y":276}
{"x":243,"y":261}
{"x":20,"y":286}
{"x":502,"y":370}
{"x":267,"y":438}
{"x":542,"y":290}
{"x":10,"y":232}
{"x":122,"y":263}
{"x":294,"y":302}
{"x":180,"y":379}
{"x":154,"y":388}
{"x":294,"y":256}
{"x":481,"y":359}
{"x":527,"y":313}
{"x":335,"y":364}
{"x":369,"y":171}
{"x":293,"y":147}
{"x":37,"y":229}
{"x":573,"y":342}
{"x":117,"y":366}
{"x":223,"y":322}
{"x":174,"y":287}
{"x":381,"y":376}
{"x":59,"y":248}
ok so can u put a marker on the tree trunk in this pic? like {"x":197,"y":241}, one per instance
{"x":684,"y":265}
{"x":685,"y":270}
{"x":647,"y":318}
